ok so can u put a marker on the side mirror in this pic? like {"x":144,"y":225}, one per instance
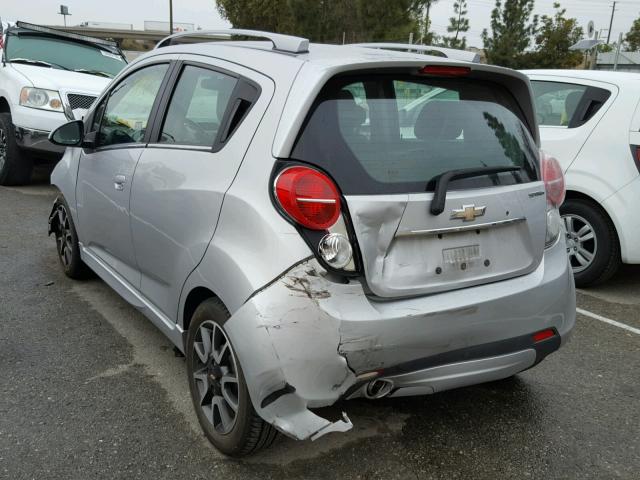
{"x":68,"y":135}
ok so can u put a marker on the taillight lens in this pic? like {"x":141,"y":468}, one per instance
{"x":553,"y":178}
{"x":309,"y":197}
{"x":635,"y":149}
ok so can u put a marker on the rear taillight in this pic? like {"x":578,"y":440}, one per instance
{"x":445,"y":71}
{"x":635,"y":150}
{"x":553,"y":178}
{"x":308,"y":197}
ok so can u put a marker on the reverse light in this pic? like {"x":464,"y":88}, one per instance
{"x":543,"y":335}
{"x":554,"y":226}
{"x":553,"y":178}
{"x":309,"y":197}
{"x":335,"y":249}
{"x":41,"y":98}
{"x":445,"y":70}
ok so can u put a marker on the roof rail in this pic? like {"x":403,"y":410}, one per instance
{"x":282,"y":43}
{"x":447,"y":52}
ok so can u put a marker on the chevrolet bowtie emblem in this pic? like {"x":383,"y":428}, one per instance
{"x":467,"y":213}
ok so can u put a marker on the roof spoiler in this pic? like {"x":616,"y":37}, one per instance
{"x":281,"y":43}
{"x":62,"y":33}
{"x":451,"y":53}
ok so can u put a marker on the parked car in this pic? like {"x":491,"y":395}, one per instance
{"x":47,"y":77}
{"x":590,"y":121}
{"x":227,"y":191}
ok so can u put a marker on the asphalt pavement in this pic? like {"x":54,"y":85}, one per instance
{"x":90,"y":389}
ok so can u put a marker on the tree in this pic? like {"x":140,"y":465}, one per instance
{"x":325,"y":20}
{"x":633,"y":36}
{"x":511,"y":32}
{"x":458,"y":24}
{"x":421,"y":12}
{"x":553,"y":39}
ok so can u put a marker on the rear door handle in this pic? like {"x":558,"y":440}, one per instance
{"x":119,"y":181}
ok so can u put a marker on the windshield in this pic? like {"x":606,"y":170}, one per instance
{"x":379,"y":134}
{"x":63,"y":54}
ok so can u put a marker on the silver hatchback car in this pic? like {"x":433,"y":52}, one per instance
{"x":304,"y":238}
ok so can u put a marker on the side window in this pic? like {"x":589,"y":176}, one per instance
{"x":556,"y":102}
{"x":197,"y":106}
{"x":129,"y":105}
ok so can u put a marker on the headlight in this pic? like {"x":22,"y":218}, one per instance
{"x":554,"y":225}
{"x":41,"y":98}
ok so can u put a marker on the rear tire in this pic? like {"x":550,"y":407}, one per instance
{"x":15,"y":165}
{"x":592,"y":242}
{"x":218,"y":387}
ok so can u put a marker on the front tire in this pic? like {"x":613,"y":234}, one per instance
{"x":218,"y":387}
{"x":15,"y":165}
{"x":67,"y":244}
{"x":592,"y":242}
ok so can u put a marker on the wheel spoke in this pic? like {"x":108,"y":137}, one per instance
{"x":201,"y":351}
{"x":205,"y":335}
{"x":202,"y":382}
{"x":583,"y":231}
{"x":219,"y":352}
{"x":225,"y":417}
{"x":568,"y":222}
{"x":581,"y":260}
{"x":586,"y":254}
{"x":588,"y":236}
{"x":228,"y":384}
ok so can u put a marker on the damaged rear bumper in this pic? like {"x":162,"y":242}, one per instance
{"x":306,"y":341}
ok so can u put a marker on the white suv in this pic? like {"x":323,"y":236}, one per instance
{"x":47,"y":77}
{"x":590,"y":121}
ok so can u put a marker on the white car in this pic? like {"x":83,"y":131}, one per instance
{"x":47,"y":78}
{"x":590,"y":121}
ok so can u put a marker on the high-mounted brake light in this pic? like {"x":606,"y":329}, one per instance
{"x":309,"y":197}
{"x":543,"y":335}
{"x":553,"y":178}
{"x":445,"y":71}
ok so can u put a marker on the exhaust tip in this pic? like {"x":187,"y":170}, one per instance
{"x":378,"y":389}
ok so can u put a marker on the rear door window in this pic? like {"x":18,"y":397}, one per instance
{"x":197,"y":106}
{"x":561,"y":104}
{"x":556,"y":102}
{"x":397,"y":133}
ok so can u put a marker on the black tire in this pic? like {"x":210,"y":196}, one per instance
{"x":15,"y":165}
{"x":67,"y":245}
{"x":249,"y":432}
{"x":605,"y":245}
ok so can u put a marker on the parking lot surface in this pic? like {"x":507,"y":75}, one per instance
{"x":90,"y":389}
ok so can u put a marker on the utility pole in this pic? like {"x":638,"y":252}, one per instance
{"x":613,"y":11}
{"x":171,"y":17}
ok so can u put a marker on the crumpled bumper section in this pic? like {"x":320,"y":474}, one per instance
{"x":305,"y":340}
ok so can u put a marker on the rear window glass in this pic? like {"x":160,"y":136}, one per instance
{"x":396,"y":134}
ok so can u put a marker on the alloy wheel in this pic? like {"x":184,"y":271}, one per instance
{"x":64,"y":239}
{"x":582,"y":244}
{"x":216,"y":376}
{"x":3,"y":148}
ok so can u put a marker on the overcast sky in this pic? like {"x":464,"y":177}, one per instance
{"x":204,"y":14}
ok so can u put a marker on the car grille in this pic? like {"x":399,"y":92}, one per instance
{"x":77,"y":100}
